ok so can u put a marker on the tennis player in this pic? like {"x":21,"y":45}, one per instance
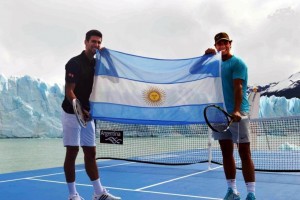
{"x":234,"y":83}
{"x":78,"y":85}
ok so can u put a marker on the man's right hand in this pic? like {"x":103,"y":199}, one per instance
{"x":210,"y":51}
{"x":86,"y":114}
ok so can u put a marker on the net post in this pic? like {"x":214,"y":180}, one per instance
{"x":209,"y":149}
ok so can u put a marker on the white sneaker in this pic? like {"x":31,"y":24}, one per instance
{"x":105,"y":196}
{"x":75,"y":197}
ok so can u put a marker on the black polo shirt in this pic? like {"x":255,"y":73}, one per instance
{"x":80,"y":70}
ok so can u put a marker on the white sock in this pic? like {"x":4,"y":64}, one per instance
{"x":232,"y":184}
{"x":250,"y":187}
{"x":72,"y":188}
{"x":98,"y":189}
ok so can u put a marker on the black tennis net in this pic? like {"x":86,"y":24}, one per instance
{"x":275,"y":144}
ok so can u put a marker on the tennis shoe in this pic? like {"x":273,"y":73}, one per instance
{"x":105,"y":196}
{"x":232,"y":196}
{"x":75,"y":197}
{"x":250,"y":196}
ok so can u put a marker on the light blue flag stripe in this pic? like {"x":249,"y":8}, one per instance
{"x":137,"y":115}
{"x":123,"y":81}
{"x":117,"y":64}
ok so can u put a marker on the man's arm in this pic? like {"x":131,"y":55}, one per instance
{"x":69,"y":88}
{"x":238,"y":96}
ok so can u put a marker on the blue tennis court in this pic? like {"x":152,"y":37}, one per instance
{"x":138,"y":181}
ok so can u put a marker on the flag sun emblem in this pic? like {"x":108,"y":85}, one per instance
{"x":154,"y":96}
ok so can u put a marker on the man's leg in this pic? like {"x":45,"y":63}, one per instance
{"x":247,"y":163}
{"x":92,"y":169}
{"x":227,"y":147}
{"x":69,"y":168}
{"x":90,"y":162}
{"x":247,"y":168}
{"x":69,"y":164}
{"x":228,"y":159}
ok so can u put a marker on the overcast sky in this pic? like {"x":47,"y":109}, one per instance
{"x":38,"y":37}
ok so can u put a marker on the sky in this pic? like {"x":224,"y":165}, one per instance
{"x":37,"y":37}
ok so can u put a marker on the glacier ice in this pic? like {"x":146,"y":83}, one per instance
{"x":29,"y":108}
{"x":278,"y":107}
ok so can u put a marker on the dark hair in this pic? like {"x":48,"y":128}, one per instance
{"x":91,"y":33}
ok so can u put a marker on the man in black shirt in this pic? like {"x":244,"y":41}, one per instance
{"x":78,"y":85}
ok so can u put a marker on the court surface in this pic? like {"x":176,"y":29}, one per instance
{"x":137,"y":181}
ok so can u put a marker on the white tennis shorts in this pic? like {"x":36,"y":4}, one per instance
{"x":238,"y":132}
{"x":74,"y":134}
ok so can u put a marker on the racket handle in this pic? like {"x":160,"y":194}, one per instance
{"x":74,"y":101}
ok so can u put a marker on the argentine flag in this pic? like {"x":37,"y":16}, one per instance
{"x":140,"y":90}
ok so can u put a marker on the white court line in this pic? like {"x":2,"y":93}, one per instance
{"x":132,"y":190}
{"x":177,"y":178}
{"x":180,"y":195}
{"x":35,"y":178}
{"x":26,"y":178}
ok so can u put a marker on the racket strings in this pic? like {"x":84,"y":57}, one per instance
{"x":79,"y":113}
{"x":217,"y":119}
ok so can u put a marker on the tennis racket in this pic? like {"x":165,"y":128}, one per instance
{"x":79,"y":113}
{"x":217,"y":119}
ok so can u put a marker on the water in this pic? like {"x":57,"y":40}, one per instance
{"x":29,"y":154}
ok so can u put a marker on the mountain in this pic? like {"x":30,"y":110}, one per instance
{"x":288,"y":88}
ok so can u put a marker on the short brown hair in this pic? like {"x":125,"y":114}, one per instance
{"x":91,"y":33}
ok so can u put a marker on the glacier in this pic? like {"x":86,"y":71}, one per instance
{"x":270,"y":107}
{"x":31,"y":108}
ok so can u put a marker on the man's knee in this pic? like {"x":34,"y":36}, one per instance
{"x":244,"y":151}
{"x":72,"y":152}
{"x":89,"y":152}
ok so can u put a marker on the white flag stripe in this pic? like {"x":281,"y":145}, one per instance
{"x":115,"y":90}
